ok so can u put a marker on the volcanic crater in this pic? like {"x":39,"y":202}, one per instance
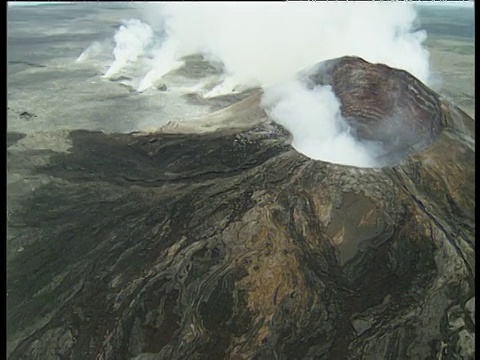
{"x":381,"y":104}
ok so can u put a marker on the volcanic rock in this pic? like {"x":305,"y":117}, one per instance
{"x":26,"y":115}
{"x":229,"y":244}
{"x":13,"y":137}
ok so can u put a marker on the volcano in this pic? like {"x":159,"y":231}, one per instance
{"x":217,"y":240}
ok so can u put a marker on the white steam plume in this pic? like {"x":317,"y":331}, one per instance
{"x":266,"y":44}
{"x":165,"y":60}
{"x":131,"y":41}
{"x":314,"y":120}
{"x":94,"y":49}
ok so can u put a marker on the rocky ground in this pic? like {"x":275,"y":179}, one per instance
{"x":451,"y":44}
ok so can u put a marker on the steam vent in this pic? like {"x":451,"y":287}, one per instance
{"x":217,"y":240}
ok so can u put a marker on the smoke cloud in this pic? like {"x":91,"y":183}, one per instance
{"x":266,"y":44}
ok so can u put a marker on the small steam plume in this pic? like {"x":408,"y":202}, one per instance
{"x":131,"y":40}
{"x":266,"y":44}
{"x":94,"y":49}
{"x":165,"y":60}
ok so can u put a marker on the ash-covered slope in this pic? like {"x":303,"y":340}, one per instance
{"x":231,"y":245}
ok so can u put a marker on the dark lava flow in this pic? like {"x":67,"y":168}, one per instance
{"x":231,"y":245}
